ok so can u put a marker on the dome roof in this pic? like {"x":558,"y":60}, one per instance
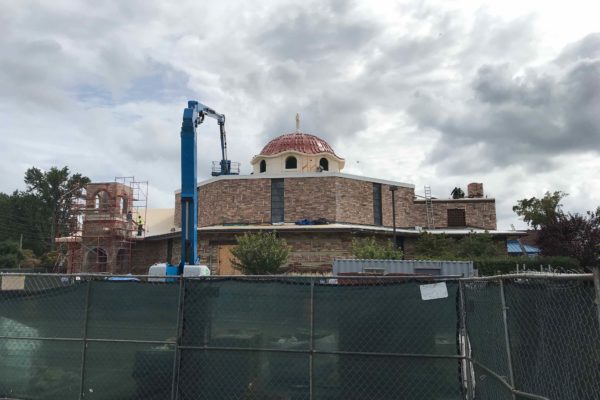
{"x":300,"y":142}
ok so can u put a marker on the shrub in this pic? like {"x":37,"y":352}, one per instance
{"x":369,"y":249}
{"x":260,"y":253}
{"x":10,"y":254}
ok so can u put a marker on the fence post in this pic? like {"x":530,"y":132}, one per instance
{"x":464,"y":349}
{"x":596,"y":271}
{"x":84,"y":336}
{"x":507,"y":337}
{"x":177,"y":357}
{"x":312,"y":339}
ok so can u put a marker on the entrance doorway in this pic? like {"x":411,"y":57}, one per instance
{"x":225,"y":265}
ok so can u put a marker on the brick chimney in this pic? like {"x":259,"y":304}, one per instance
{"x":475,"y":190}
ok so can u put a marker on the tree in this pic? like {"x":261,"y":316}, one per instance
{"x":57,"y":190}
{"x":479,"y":245}
{"x":22,"y":217}
{"x":430,"y":246}
{"x":10,"y":254}
{"x":369,"y":249}
{"x":573,"y":235}
{"x":260,"y":253}
{"x":539,"y":212}
{"x":472,"y":246}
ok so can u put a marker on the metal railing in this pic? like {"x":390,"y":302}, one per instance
{"x":95,"y":336}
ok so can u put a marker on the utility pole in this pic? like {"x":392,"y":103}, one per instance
{"x":393,"y":190}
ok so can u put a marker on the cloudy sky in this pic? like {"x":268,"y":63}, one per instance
{"x":431,"y":93}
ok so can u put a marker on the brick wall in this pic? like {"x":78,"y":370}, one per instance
{"x":354,"y":201}
{"x":343,"y":200}
{"x":228,"y":201}
{"x":478,"y":214}
{"x":309,"y":251}
{"x":404,"y":200}
{"x":148,"y":252}
{"x":316,"y":250}
{"x":310,"y":198}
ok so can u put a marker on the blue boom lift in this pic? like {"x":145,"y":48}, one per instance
{"x":193,"y":116}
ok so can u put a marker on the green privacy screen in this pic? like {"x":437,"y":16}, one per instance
{"x":64,"y":337}
{"x":68,"y":337}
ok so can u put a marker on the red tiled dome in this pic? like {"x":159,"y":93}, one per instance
{"x":300,"y":142}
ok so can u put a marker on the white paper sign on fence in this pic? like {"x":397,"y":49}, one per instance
{"x":434,"y":291}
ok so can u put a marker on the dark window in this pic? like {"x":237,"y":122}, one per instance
{"x":277,"y":200}
{"x":456,"y":218}
{"x":324,"y":164}
{"x":377,"y":217}
{"x":400,"y":243}
{"x":263,"y":166}
{"x":291,"y":163}
{"x":96,"y":260}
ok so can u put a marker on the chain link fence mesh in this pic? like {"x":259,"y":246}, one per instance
{"x":554,"y":334}
{"x":288,"y":338}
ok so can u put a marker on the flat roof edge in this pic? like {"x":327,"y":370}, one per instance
{"x":304,"y":175}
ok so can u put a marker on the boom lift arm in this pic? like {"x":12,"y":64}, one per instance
{"x":193,"y":116}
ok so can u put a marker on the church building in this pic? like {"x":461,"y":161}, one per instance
{"x":298,"y":189}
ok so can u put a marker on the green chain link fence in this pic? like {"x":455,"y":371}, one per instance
{"x":291,"y":338}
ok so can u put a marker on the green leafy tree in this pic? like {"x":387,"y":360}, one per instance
{"x":479,"y":245}
{"x":10,"y":254}
{"x":472,"y":246}
{"x":370,"y":249}
{"x":261,"y":253}
{"x":22,"y":217}
{"x":573,"y":235}
{"x":57,"y":189}
{"x":539,"y":212}
{"x":434,"y":246}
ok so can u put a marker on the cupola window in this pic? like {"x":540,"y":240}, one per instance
{"x":291,"y":163}
{"x":324,"y":164}
{"x":263,"y":166}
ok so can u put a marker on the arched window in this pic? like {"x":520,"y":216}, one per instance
{"x":291,"y":163}
{"x":324,"y":164}
{"x":123,"y":205}
{"x":101,"y":200}
{"x":96,"y":260}
{"x":263,"y":166}
{"x":122,"y":261}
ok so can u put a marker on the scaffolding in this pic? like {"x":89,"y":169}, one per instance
{"x":108,"y":219}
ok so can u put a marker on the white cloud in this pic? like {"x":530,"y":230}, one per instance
{"x":103,"y":91}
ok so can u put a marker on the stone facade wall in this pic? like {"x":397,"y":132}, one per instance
{"x":404,"y":199}
{"x":338,"y":199}
{"x":148,"y":252}
{"x":310,"y":198}
{"x":354,"y":200}
{"x":229,"y":201}
{"x":478,"y":214}
{"x":310,"y":251}
{"x":315,"y":251}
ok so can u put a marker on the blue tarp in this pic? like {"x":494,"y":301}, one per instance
{"x":513,"y":247}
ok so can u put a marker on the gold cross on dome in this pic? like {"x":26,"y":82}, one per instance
{"x":297,"y":122}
